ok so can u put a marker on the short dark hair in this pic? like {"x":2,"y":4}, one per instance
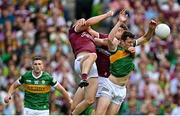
{"x":127,"y":34}
{"x":38,"y":58}
{"x":124,"y":26}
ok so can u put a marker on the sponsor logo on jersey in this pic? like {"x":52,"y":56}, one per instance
{"x":37,"y":88}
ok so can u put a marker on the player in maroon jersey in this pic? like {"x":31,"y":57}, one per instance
{"x":84,"y":49}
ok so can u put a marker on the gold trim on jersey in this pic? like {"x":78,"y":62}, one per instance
{"x":37,"y":88}
{"x":118,"y":55}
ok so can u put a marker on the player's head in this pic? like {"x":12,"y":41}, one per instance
{"x":37,"y":64}
{"x":127,"y":39}
{"x":120,"y":31}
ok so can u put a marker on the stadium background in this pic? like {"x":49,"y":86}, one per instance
{"x":29,"y":27}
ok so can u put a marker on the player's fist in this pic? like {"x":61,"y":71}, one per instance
{"x":110,"y":13}
{"x":7,"y":99}
{"x":131,"y":49}
{"x":81,"y":21}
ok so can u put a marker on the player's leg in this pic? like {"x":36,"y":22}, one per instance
{"x":113,"y":109}
{"x":78,"y":97}
{"x":119,"y":96}
{"x":90,"y":92}
{"x":86,"y":64}
{"x":103,"y":95}
{"x":103,"y":103}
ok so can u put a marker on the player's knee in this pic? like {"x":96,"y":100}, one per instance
{"x":90,"y":101}
{"x":93,"y":56}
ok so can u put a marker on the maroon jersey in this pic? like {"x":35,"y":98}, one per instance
{"x":81,"y":41}
{"x":103,"y":62}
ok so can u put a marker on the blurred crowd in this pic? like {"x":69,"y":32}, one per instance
{"x":40,"y":27}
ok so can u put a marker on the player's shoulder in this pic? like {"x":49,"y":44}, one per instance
{"x":47,"y":74}
{"x":71,"y":29}
{"x":27,"y":73}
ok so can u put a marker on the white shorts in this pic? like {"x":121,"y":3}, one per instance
{"x":28,"y":111}
{"x":77,"y":66}
{"x":115,"y":92}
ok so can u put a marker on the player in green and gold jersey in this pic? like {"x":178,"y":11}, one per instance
{"x":112,"y":91}
{"x":37,"y":85}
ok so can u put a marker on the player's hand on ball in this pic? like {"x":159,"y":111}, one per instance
{"x":152,"y":24}
{"x":123,"y":16}
{"x":131,"y":49}
{"x":7,"y":99}
{"x":110,"y":13}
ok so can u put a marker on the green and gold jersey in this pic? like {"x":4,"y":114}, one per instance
{"x":121,"y":63}
{"x":37,"y":90}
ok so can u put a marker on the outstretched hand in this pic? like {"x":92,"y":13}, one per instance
{"x":123,"y":16}
{"x":152,"y":24}
{"x":131,"y":50}
{"x":110,"y":13}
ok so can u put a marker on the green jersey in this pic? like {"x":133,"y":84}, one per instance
{"x":121,"y":63}
{"x":37,"y":90}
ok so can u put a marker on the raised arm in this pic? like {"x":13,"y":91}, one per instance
{"x":97,"y":19}
{"x":147,"y":36}
{"x":83,"y":24}
{"x":112,"y":44}
{"x":101,"y":42}
{"x":11,"y":91}
{"x":121,"y":20}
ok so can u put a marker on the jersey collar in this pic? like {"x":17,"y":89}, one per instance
{"x":37,"y":76}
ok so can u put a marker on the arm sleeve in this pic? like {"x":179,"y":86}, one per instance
{"x":53,"y":81}
{"x":135,"y":43}
{"x":20,"y":80}
{"x":103,"y":36}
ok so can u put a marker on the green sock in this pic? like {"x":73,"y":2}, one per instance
{"x":88,"y":110}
